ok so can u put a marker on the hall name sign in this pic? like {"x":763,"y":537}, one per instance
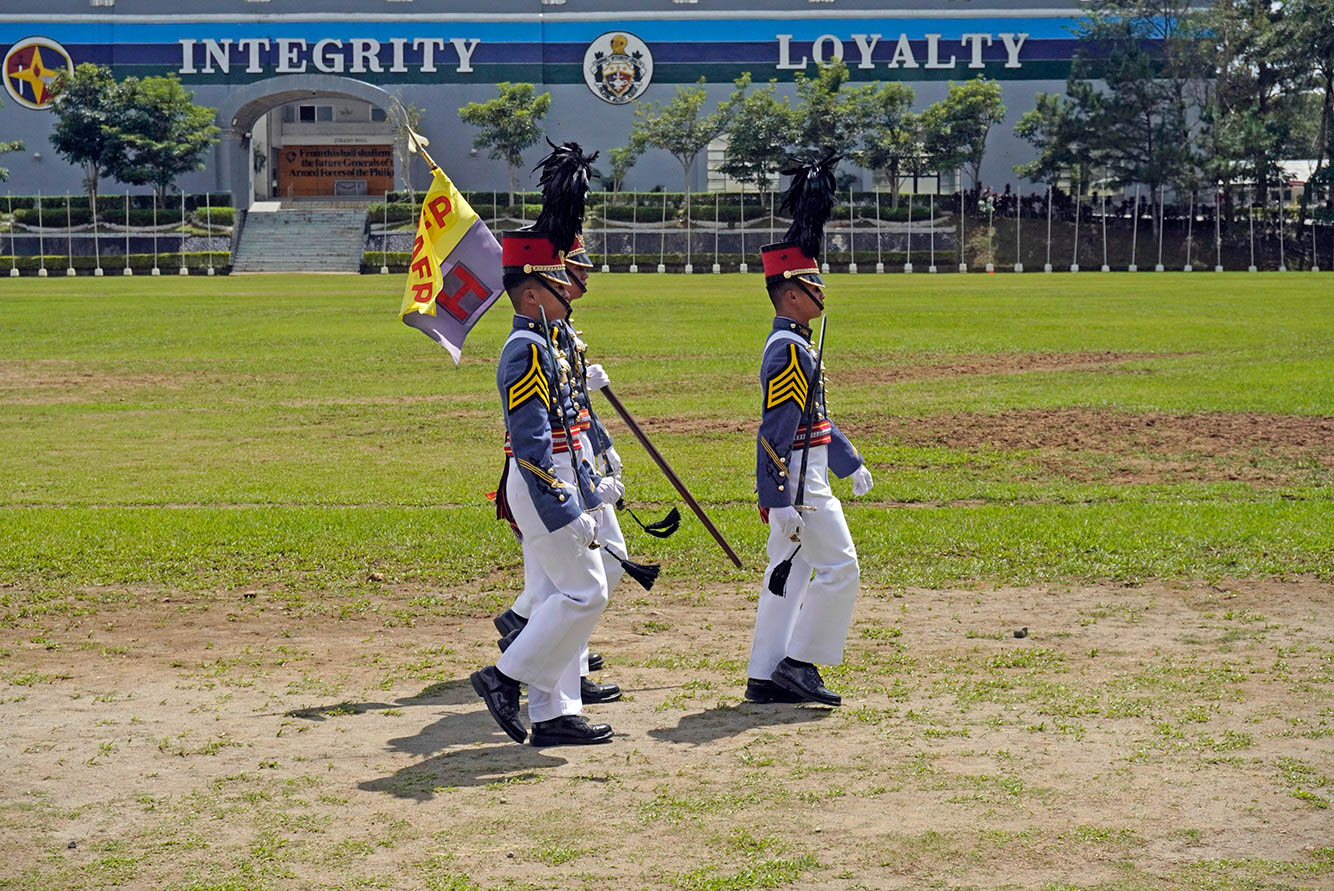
{"x":428,"y":55}
{"x":331,"y":55}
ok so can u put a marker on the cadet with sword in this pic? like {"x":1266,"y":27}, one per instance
{"x":811,"y":583}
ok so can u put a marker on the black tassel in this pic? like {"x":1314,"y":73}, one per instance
{"x":565,"y":175}
{"x":778,"y":578}
{"x":666,"y":526}
{"x":645,"y":574}
{"x":659,"y":529}
{"x":810,"y":199}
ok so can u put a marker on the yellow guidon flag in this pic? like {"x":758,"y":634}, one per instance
{"x":455,"y":266}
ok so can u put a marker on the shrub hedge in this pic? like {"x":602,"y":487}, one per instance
{"x":79,"y":216}
{"x":108,"y":204}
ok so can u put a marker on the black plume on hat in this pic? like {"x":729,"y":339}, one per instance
{"x":810,"y":199}
{"x":565,"y":175}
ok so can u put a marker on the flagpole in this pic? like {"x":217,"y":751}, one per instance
{"x":412,"y":134}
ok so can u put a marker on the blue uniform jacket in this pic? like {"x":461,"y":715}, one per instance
{"x":785,"y":375}
{"x":533,"y":393}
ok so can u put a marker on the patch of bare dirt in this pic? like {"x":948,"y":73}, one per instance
{"x":1131,"y":733}
{"x":1220,"y":434}
{"x":1105,"y":362}
{"x":46,"y":382}
{"x":1128,"y":448}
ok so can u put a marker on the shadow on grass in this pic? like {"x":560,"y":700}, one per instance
{"x":730,"y":720}
{"x":456,"y":758}
{"x":457,"y":692}
{"x":502,"y":763}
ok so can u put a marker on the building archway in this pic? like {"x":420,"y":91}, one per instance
{"x":248,"y":105}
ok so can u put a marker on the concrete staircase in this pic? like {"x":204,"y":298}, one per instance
{"x":304,"y":239}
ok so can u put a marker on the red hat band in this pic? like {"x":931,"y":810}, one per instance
{"x":786,"y":260}
{"x":532,"y":253}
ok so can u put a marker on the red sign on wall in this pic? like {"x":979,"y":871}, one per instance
{"x":330,"y":170}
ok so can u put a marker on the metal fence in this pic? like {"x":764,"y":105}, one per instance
{"x":67,"y":235}
{"x":717,"y":232}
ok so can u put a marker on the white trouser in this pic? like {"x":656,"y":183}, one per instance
{"x":569,"y":591}
{"x":609,"y":532}
{"x":810,"y":623}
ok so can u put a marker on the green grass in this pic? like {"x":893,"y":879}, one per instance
{"x":289,"y":431}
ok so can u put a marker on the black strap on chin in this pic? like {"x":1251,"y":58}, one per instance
{"x":811,"y":294}
{"x":569,"y":310}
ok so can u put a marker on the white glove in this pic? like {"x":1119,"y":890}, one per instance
{"x":609,"y":490}
{"x":597,"y":378}
{"x":787,"y":520}
{"x":861,"y":481}
{"x":584,"y":530}
{"x":614,"y":460}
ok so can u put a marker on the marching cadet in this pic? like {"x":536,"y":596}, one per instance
{"x":549,"y":499}
{"x":564,"y":181}
{"x":811,"y":583}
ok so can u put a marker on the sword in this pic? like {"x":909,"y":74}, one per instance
{"x":778,"y":578}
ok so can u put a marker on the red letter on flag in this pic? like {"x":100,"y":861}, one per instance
{"x":458,"y":285}
{"x":440,"y":208}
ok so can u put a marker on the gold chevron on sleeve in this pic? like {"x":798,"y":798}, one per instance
{"x":533,"y":383}
{"x":789,"y":383}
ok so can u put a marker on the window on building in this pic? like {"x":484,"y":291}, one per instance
{"x":377,"y":114}
{"x":309,"y":114}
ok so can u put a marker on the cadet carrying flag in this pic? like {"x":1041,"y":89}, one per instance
{"x":455,"y":272}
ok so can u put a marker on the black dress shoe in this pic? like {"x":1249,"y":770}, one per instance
{"x":594,"y":661}
{"x":504,"y":642}
{"x":803,"y":680}
{"x":502,"y":700}
{"x":593,"y":693}
{"x":570,"y":730}
{"x":765,"y":692}
{"x":509,"y":621}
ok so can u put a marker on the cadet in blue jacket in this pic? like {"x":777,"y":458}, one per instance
{"x":548,"y":498}
{"x":809,"y":622}
{"x":565,"y":175}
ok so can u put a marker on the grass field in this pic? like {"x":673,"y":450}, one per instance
{"x":246,"y":563}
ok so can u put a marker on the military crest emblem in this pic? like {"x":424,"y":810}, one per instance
{"x":618,"y":67}
{"x":31,"y":67}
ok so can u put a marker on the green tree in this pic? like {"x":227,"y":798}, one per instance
{"x":1306,"y":43}
{"x":163,"y":132}
{"x":622,"y":159}
{"x":1256,"y":99}
{"x":13,"y":146}
{"x":508,"y":125}
{"x":1135,"y":98}
{"x":1147,"y":115}
{"x":680,"y":127}
{"x":891,"y":134}
{"x":87,"y":106}
{"x":955,"y":128}
{"x":759,"y":130}
{"x":830,"y":116}
{"x":1059,"y":130}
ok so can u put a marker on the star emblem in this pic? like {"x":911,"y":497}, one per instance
{"x":30,"y":67}
{"x":36,"y":76}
